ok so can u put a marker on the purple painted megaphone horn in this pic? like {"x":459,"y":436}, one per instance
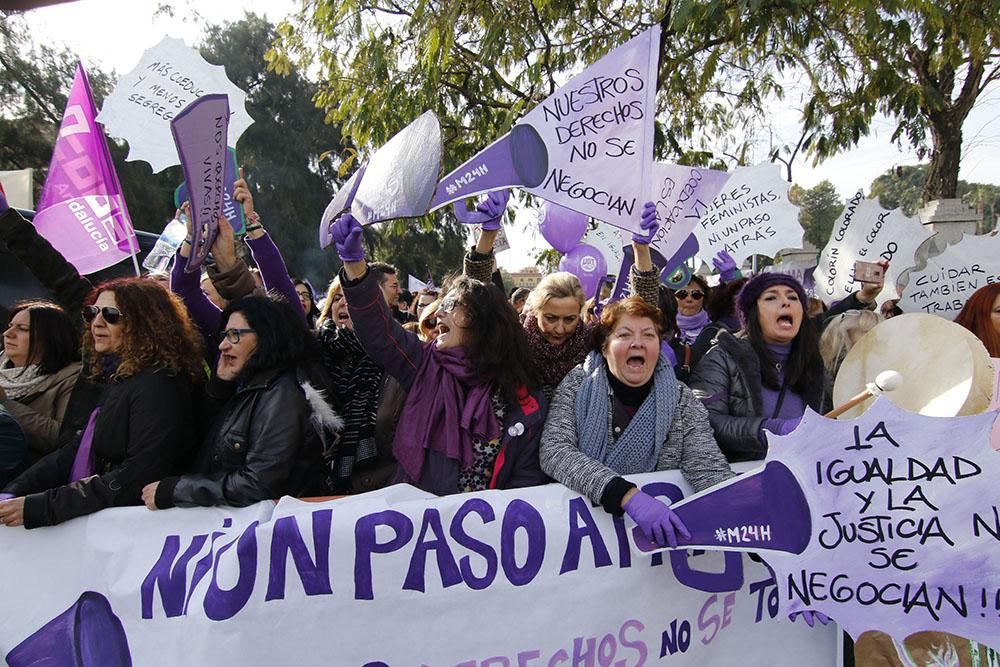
{"x":518,"y":158}
{"x":762,"y":510}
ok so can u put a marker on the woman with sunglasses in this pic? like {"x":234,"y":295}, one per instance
{"x":371,"y":399}
{"x":762,"y":378}
{"x":691,"y":319}
{"x":39,"y":368}
{"x":622,"y":412}
{"x":142,"y":342}
{"x":473,"y":416}
{"x":266,"y":421}
{"x":555,"y":315}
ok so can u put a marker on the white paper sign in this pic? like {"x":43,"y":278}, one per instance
{"x":682,"y":195}
{"x":598,"y":133}
{"x":610,"y":241}
{"x":866,"y":231}
{"x":949,"y":279}
{"x":751,"y":215}
{"x":169,"y":76}
{"x":528,"y":577}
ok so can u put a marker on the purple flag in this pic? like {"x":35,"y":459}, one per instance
{"x":82,"y":210}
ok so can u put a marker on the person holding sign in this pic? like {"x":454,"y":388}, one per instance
{"x":473,"y":414}
{"x":763,"y":377}
{"x":558,"y":336}
{"x":623,"y":412}
{"x":143,"y":343}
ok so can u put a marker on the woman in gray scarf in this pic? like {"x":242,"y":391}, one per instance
{"x":622,"y":412}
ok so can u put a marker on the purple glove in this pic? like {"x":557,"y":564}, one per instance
{"x":347,"y":233}
{"x":6,"y":496}
{"x":4,"y":207}
{"x":779,"y":426}
{"x":656,"y":520}
{"x":649,"y":222}
{"x":488,"y":213}
{"x":810,"y":617}
{"x":726,"y":266}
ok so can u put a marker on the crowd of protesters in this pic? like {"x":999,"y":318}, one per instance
{"x":244,"y":384}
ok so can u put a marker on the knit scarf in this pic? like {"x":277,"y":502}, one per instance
{"x":357,"y":383}
{"x":555,"y":361}
{"x":18,"y":382}
{"x":448,"y":406}
{"x":691,"y":325}
{"x":637,"y":450}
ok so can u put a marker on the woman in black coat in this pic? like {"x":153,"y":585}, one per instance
{"x":143,"y":343}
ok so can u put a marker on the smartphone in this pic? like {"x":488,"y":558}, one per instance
{"x":868,"y":272}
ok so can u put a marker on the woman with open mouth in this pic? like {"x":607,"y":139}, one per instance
{"x":623,"y":412}
{"x":473,"y":414}
{"x":762,"y":378}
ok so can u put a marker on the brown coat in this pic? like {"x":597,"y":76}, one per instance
{"x":41,"y":412}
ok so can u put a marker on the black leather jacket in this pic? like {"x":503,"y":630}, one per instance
{"x":728,"y":382}
{"x":261,"y":445}
{"x":143,"y":433}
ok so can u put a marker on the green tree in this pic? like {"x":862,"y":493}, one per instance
{"x":902,"y":187}
{"x":819,"y":208}
{"x":921,"y":63}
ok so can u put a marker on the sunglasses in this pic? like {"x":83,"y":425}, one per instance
{"x":682,"y":294}
{"x":233,"y":335}
{"x":110,"y":314}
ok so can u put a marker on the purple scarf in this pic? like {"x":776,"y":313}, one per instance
{"x":691,"y":325}
{"x":447,"y":406}
{"x":83,"y":462}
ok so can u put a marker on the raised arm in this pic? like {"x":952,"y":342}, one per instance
{"x":643,"y":278}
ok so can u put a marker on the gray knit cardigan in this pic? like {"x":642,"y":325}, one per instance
{"x":690,"y":444}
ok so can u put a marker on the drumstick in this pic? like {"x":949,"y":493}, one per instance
{"x":884,"y":381}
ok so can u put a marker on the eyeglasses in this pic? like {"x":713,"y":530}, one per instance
{"x":233,"y":335}
{"x":110,"y":314}
{"x":682,"y":294}
{"x":449,"y":304}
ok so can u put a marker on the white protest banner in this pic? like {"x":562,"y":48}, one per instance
{"x":169,"y":77}
{"x":500,"y":243}
{"x":414,"y":285}
{"x":588,"y":146}
{"x":949,"y":279}
{"x":18,"y":188}
{"x":799,"y":268}
{"x":682,"y":195}
{"x":528,"y":577}
{"x":866,"y":231}
{"x":751,"y":215}
{"x":905,"y":522}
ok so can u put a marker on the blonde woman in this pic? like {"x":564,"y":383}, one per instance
{"x":841,"y":334}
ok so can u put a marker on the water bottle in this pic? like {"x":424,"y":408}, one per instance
{"x":158,"y":259}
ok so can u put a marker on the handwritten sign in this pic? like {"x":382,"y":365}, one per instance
{"x":609,"y":240}
{"x":682,"y":195}
{"x":171,"y":587}
{"x":799,"y":268}
{"x":231,"y":209}
{"x":168,"y":78}
{"x":866,"y":231}
{"x":905,"y":523}
{"x":200,"y":136}
{"x":751,"y":215}
{"x":949,"y":279}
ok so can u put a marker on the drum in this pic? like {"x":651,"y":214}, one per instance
{"x":946,"y":370}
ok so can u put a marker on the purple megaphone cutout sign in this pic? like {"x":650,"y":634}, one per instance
{"x":762,"y":510}
{"x":200,"y":132}
{"x":88,"y":634}
{"x":517,"y":159}
{"x":341,"y":202}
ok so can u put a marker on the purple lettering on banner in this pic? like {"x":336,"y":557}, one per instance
{"x":682,"y":194}
{"x":624,"y":548}
{"x":445,"y":559}
{"x":708,"y":618}
{"x":169,"y":575}
{"x":221,"y":604}
{"x":366,"y":543}
{"x":579,"y":511}
{"x":637,"y":645}
{"x":204,"y":566}
{"x":286,"y":538}
{"x":520,"y":514}
{"x":485,"y":512}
